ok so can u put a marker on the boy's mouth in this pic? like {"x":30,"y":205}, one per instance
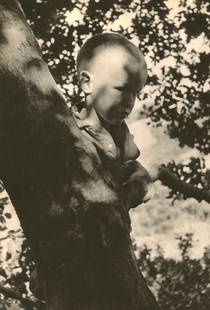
{"x":123,"y":114}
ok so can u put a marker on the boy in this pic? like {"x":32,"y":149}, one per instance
{"x":111,"y":71}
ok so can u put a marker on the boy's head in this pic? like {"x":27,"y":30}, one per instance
{"x":111,"y":71}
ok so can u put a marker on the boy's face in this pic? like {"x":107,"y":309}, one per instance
{"x":116,"y":77}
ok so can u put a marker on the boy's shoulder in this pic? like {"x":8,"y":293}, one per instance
{"x":115,"y":142}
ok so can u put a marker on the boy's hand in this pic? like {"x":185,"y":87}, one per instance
{"x":137,"y":184}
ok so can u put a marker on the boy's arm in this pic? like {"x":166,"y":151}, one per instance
{"x":137,"y":184}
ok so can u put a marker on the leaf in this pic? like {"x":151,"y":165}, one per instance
{"x":3,"y":200}
{"x":8,"y":256}
{"x":8,"y":215}
{"x":2,"y":220}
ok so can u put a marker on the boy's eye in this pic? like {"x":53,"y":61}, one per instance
{"x":127,"y":89}
{"x":120,"y":88}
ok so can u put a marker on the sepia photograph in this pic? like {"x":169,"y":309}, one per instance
{"x":104,"y":155}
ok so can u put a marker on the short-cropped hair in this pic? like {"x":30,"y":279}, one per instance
{"x":87,"y":51}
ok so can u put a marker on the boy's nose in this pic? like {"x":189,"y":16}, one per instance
{"x":128,"y":99}
{"x":130,"y":94}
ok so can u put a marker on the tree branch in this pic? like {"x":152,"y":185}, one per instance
{"x":66,"y":196}
{"x":174,"y":183}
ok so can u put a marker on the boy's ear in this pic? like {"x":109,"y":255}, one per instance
{"x":85,"y":81}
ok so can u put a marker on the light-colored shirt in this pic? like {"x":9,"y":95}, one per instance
{"x":115,"y":142}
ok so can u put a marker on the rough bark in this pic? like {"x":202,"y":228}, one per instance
{"x":68,"y":202}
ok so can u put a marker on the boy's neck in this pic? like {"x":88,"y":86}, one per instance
{"x":109,"y":127}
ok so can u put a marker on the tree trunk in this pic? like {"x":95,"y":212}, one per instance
{"x":67,"y":201}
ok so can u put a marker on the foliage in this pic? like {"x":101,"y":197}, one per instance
{"x":192,"y":171}
{"x":178,"y":92}
{"x":3,"y":215}
{"x":175,"y":46}
{"x":18,"y":280}
{"x":16,"y":263}
{"x":178,"y":285}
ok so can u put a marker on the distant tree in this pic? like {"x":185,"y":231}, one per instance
{"x":178,"y":284}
